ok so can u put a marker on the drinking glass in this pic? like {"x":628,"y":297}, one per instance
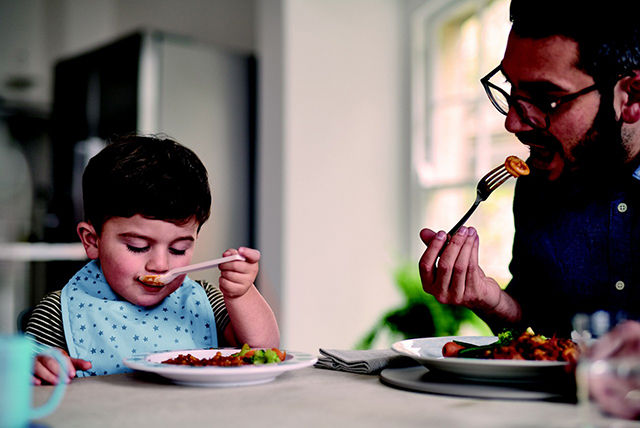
{"x":608,"y":386}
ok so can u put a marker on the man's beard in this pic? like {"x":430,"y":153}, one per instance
{"x":601,"y":152}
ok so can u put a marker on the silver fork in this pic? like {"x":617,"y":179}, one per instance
{"x":485,"y":187}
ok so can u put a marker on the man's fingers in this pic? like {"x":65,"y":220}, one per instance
{"x":427,"y":263}
{"x":427,"y":235}
{"x":459,"y":285}
{"x":449,"y":257}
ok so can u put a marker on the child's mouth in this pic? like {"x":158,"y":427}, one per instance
{"x":149,"y":283}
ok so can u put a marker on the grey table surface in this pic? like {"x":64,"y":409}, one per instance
{"x":309,"y":397}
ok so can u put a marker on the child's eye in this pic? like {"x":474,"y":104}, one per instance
{"x":137,"y":249}
{"x":177,"y":252}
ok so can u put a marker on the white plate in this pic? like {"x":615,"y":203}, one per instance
{"x":216,"y":376}
{"x":428,"y":352}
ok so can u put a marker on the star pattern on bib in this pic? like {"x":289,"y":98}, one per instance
{"x":103,"y":320}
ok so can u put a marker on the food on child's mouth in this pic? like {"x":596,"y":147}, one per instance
{"x":514,"y":346}
{"x":151,"y":280}
{"x":245,"y":357}
{"x":516,"y":166}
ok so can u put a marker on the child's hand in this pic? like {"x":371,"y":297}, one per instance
{"x":47,"y":369}
{"x":237,"y":277}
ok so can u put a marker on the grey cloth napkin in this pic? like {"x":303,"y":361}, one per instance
{"x":365,"y":362}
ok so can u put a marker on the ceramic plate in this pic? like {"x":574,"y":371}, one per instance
{"x":428,"y":352}
{"x":421,"y":379}
{"x":216,"y":376}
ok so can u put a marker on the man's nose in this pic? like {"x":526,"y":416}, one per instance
{"x":514,"y":122}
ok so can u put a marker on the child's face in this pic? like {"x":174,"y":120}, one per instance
{"x":135,"y":246}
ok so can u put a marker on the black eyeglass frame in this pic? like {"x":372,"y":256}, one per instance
{"x":511,"y":100}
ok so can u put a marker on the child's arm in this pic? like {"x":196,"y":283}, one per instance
{"x":47,"y":369}
{"x":252,"y":320}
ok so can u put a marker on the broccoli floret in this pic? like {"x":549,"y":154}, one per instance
{"x":505,"y":337}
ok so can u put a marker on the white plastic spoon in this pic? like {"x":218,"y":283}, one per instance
{"x":169,"y":276}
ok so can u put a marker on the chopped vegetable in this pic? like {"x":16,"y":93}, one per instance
{"x":517,"y":346}
{"x":246,"y":356}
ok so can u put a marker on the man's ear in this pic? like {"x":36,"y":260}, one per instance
{"x":89,"y":238}
{"x":627,"y":98}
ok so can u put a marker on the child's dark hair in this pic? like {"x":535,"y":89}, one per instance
{"x":153,"y":176}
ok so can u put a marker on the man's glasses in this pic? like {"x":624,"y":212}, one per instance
{"x":534,"y":113}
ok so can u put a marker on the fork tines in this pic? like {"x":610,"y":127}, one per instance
{"x":496,"y":176}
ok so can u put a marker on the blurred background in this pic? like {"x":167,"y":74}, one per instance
{"x":333,"y":131}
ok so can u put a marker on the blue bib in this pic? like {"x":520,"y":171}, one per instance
{"x":101,"y":327}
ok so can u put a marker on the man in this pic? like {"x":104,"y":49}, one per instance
{"x":573,"y":97}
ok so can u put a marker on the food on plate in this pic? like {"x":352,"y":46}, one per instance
{"x":514,"y":346}
{"x":246,"y":356}
{"x":516,"y":166}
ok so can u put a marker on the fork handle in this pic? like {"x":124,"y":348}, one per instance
{"x":465,"y":217}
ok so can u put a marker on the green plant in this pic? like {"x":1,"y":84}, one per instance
{"x":421,"y":315}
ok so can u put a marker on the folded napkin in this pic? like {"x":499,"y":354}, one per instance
{"x":365,"y":362}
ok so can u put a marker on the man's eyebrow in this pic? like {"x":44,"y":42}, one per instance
{"x":542,"y":86}
{"x":535,"y":86}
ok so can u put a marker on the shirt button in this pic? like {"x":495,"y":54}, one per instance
{"x":619,"y":285}
{"x":622,"y":207}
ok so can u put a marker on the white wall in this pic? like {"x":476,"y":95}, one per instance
{"x":341,"y":161}
{"x":331,"y":149}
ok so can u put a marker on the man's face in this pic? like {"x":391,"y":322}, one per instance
{"x":582,"y":130}
{"x":135,"y":246}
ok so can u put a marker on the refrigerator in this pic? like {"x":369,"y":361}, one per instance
{"x":147,"y":82}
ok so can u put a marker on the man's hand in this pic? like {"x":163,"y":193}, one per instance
{"x":47,"y":369}
{"x":450,"y":271}
{"x":237,"y":277}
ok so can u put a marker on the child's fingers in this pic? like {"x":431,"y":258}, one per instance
{"x":80,"y":364}
{"x":234,"y":276}
{"x":252,"y":255}
{"x":44,"y":372}
{"x":232,"y":288}
{"x":230,"y":252}
{"x":53,"y":366}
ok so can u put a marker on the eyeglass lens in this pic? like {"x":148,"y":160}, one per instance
{"x":529,"y":112}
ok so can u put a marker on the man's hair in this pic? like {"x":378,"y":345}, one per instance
{"x":153,"y":176}
{"x":607,"y":32}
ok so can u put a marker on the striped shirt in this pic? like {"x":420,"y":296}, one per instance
{"x":45,"y":322}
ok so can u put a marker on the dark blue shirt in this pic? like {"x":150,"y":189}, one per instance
{"x":576,"y":249}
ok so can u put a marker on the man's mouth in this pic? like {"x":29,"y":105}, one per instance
{"x":541,"y":154}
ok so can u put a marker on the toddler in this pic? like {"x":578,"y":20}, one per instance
{"x":145,"y":200}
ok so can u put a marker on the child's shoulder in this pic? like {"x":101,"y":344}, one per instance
{"x":206,"y":285}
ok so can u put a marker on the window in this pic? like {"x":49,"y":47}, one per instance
{"x":457,"y":135}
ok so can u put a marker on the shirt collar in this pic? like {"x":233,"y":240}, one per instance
{"x":636,"y":173}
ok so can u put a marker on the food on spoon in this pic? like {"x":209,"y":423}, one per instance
{"x":516,"y":166}
{"x":151,"y":280}
{"x":524,"y":346}
{"x":246,"y":356}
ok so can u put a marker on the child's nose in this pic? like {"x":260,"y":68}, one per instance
{"x":158,"y":261}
